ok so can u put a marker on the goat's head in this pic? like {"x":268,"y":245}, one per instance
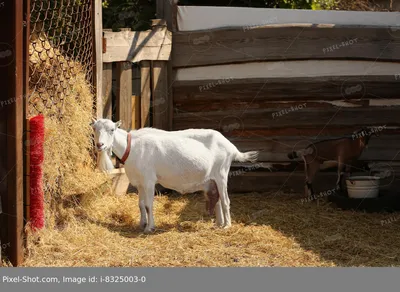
{"x":364,"y":135}
{"x":104,"y":131}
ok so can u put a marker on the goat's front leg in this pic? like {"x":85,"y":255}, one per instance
{"x":345,"y":175}
{"x":310,"y":169}
{"x":339,"y":173}
{"x":148,"y":204}
{"x":142,"y":208}
{"x":219,"y":215}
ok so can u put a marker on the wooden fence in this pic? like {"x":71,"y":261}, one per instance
{"x":141,"y":92}
{"x":270,"y":110}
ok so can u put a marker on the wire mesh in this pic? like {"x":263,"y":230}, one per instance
{"x":61,"y":45}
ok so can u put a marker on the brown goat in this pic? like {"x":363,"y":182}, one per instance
{"x":338,"y":153}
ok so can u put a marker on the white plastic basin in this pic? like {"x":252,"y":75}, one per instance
{"x":363,"y":186}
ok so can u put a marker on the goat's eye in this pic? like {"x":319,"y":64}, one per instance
{"x":112,"y":130}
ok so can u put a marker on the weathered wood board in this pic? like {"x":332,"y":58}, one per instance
{"x":256,"y":119}
{"x":292,"y":182}
{"x":278,"y":89}
{"x":284,"y":42}
{"x":136,"y":46}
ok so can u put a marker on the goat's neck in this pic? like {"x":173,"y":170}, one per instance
{"x":120,"y":143}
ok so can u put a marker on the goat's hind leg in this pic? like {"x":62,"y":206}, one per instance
{"x":148,"y":204}
{"x":224,"y":201}
{"x":142,"y":208}
{"x":213,"y":202}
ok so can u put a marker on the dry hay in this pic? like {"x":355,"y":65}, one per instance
{"x":69,"y":170}
{"x":268,"y":230}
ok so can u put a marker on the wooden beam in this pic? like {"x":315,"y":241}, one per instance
{"x":288,"y":182}
{"x":107,"y":91}
{"x":254,"y":119}
{"x":160,"y":103}
{"x":385,"y":147}
{"x":145,"y":98}
{"x":277,"y":42}
{"x":136,"y":46}
{"x":98,"y":68}
{"x":277,"y":89}
{"x":281,"y":107}
{"x":124,"y":94}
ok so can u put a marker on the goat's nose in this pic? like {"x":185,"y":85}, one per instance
{"x":99,"y":145}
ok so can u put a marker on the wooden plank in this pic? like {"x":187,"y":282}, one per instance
{"x":365,"y":166}
{"x":309,"y":117}
{"x":274,"y":42}
{"x":136,"y":46}
{"x":98,"y":52}
{"x":170,"y":94}
{"x":124,"y":94}
{"x":107,"y":91}
{"x":160,"y":101}
{"x":136,"y":124}
{"x":136,"y":79}
{"x":191,"y":18}
{"x":271,"y":71}
{"x":311,"y":131}
{"x":281,"y":108}
{"x":277,"y":89}
{"x":289,"y":182}
{"x":145,"y":98}
{"x":382,"y":148}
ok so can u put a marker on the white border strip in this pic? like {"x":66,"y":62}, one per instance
{"x":312,"y":68}
{"x":191,"y":18}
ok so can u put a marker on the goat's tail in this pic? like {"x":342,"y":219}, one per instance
{"x":292,"y":155}
{"x":250,"y":156}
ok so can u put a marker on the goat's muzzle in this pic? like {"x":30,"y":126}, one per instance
{"x":100,"y":146}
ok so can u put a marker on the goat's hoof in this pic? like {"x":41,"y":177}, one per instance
{"x":149,"y":230}
{"x":143,"y":225}
{"x":226,"y":226}
{"x":218,"y":225}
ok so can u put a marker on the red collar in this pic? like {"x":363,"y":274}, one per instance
{"x":128,"y":149}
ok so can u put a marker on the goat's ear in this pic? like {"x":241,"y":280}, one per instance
{"x":118,"y":124}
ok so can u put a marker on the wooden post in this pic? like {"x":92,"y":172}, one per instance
{"x":160,"y":104}
{"x":13,"y":19}
{"x":160,"y":98}
{"x":145,"y":92}
{"x":25,"y":103}
{"x":98,"y":58}
{"x":107,"y":91}
{"x":124,"y":94}
{"x":167,"y":10}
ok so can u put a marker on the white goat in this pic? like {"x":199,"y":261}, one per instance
{"x":186,"y":161}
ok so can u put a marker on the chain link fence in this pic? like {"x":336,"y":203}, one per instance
{"x":61,"y":46}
